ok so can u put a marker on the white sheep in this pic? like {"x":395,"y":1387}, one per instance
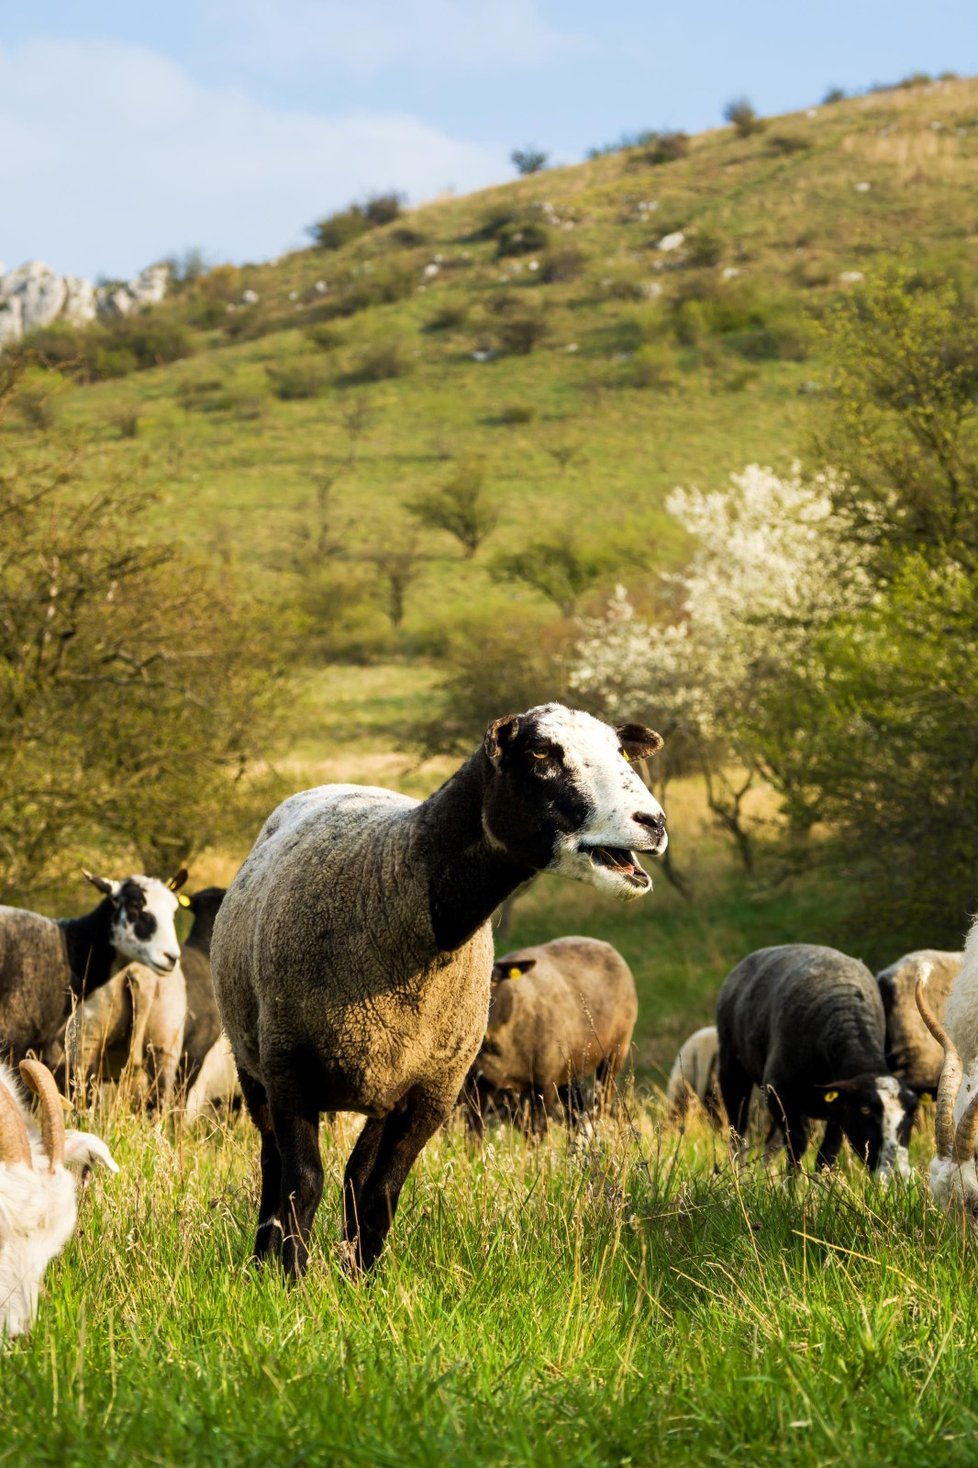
{"x":131,"y":1026}
{"x":38,"y":1206}
{"x":953,"y":1176}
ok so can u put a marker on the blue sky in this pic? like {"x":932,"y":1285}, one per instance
{"x":131,"y":132}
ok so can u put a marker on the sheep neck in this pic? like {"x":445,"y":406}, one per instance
{"x":88,"y":948}
{"x":468,"y":877}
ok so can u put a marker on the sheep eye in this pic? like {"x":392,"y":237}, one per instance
{"x":540,"y":753}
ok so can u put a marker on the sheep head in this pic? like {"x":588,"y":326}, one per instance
{"x":953,"y":1175}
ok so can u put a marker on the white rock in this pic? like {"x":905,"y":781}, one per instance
{"x":11,"y":321}
{"x":651,"y":290}
{"x":571,"y":347}
{"x":293,"y":295}
{"x":674,"y":241}
{"x":320,"y":287}
{"x":430,"y":271}
{"x":483,"y":355}
{"x":250,"y":298}
{"x":851,"y":277}
{"x":150,"y":286}
{"x":862,"y":188}
{"x":79,"y":306}
{"x":41,"y":293}
{"x":114,"y":300}
{"x":729,"y":272}
{"x":533,"y":265}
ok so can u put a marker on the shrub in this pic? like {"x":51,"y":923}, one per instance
{"x":461,"y":508}
{"x":379,"y":363}
{"x":528,"y":160}
{"x":362,"y":291}
{"x":496,"y":219}
{"x":200,"y":394}
{"x":520,"y":335}
{"x":339,"y":229}
{"x":515,"y":413}
{"x":380,"y":209}
{"x":741,"y":115}
{"x":651,"y":367}
{"x":448,"y":318}
{"x":112,"y":348}
{"x":834,"y":94}
{"x":788,"y":143}
{"x":705,"y":248}
{"x":324,"y":336}
{"x":305,"y":377}
{"x":565,"y":263}
{"x":664,"y":148}
{"x":916,"y":79}
{"x":522,"y":236}
{"x":125,"y":421}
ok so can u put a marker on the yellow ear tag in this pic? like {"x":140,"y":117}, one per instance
{"x":515,"y":973}
{"x":183,"y":899}
{"x":626,"y":756}
{"x":831,"y":1096}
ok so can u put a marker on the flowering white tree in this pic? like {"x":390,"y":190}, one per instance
{"x":774,"y":564}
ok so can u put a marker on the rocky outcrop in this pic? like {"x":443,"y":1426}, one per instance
{"x":34,"y":296}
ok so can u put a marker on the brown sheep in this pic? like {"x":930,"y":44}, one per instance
{"x":912,"y":1053}
{"x":570,"y":1018}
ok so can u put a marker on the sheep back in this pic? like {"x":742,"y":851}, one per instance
{"x":572,"y":1013}
{"x":35,"y":980}
{"x":694,"y":1074}
{"x":325,"y":964}
{"x":961,"y":1010}
{"x":913,"y":1053}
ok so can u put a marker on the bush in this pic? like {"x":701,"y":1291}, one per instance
{"x":305,"y":377}
{"x":788,"y":143}
{"x":339,"y":229}
{"x":652,"y":367}
{"x":515,"y":413}
{"x":705,"y":248}
{"x":125,"y":421}
{"x":528,"y":160}
{"x":324,"y":336}
{"x":367,"y":289}
{"x":563,"y":264}
{"x":741,"y":115}
{"x":379,"y":363}
{"x":448,"y":318}
{"x":380,"y":209}
{"x":834,"y":94}
{"x":524,"y":236}
{"x":664,"y":148}
{"x":520,"y":335}
{"x":113,"y":348}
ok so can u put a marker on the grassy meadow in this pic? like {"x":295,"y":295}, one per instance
{"x":623,"y":1299}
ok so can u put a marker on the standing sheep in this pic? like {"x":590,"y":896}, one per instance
{"x":353,"y":951}
{"x":694,"y":1076}
{"x":912,"y":1053}
{"x":133,"y":1024}
{"x":47,"y":962}
{"x":806,"y":1024}
{"x":953,"y":1174}
{"x":571,"y":1017}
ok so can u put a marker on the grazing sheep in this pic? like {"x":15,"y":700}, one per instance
{"x":38,"y":1206}
{"x":570,"y":1018}
{"x":353,"y":951}
{"x":46,"y":962}
{"x":912,"y":1053}
{"x":806,"y":1024}
{"x":953,"y":1176}
{"x":216,"y":1083}
{"x":694,"y":1077}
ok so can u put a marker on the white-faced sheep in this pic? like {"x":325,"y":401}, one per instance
{"x":353,"y":951}
{"x":806,"y":1024}
{"x":571,"y":1018}
{"x":46,"y":963}
{"x":38,"y":1206}
{"x":953,"y":1176}
{"x":911,"y":1051}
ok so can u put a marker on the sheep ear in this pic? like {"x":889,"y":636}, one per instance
{"x":639,"y":742}
{"x":178,"y":879}
{"x":102,"y":883}
{"x":500,"y":735}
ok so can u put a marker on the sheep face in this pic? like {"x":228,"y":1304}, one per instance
{"x":143,"y":929}
{"x":876,"y":1114}
{"x":566,"y":798}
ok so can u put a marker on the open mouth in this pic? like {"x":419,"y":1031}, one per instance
{"x":621,"y":862}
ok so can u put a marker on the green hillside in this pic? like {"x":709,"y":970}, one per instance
{"x":652,"y":368}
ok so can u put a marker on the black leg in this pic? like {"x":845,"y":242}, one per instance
{"x":735,"y":1088}
{"x":831,"y":1142}
{"x":358,"y":1168}
{"x":403,"y":1135}
{"x":268,"y":1238}
{"x":302,"y":1183}
{"x":796,"y":1139}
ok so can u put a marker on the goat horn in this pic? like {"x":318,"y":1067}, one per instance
{"x":14,"y":1145}
{"x":41,"y":1082}
{"x":967,"y":1132}
{"x":951,"y":1072}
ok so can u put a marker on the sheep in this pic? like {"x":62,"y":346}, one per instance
{"x":572,"y":1017}
{"x":694,"y":1076}
{"x":353,"y":951}
{"x":216,"y":1082}
{"x":38,"y":1206}
{"x":45,"y":963}
{"x":133,"y":1024}
{"x":806,"y":1023}
{"x":952,"y":1173}
{"x":912,"y":1054}
{"x":152,"y":1023}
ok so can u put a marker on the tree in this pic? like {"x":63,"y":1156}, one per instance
{"x":132,"y":688}
{"x":741,"y":115}
{"x":528,"y":160}
{"x":559,"y":568}
{"x":460,"y":508}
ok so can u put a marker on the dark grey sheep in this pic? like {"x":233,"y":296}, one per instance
{"x":806,"y":1024}
{"x":911,"y":1050}
{"x":569,"y":1019}
{"x":353,"y":951}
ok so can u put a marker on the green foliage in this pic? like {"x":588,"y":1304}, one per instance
{"x":559,"y":567}
{"x":347,"y":225}
{"x":461,"y":507}
{"x":302,"y":377}
{"x":742,"y":117}
{"x":705,"y":247}
{"x":528,"y":160}
{"x":514,"y":414}
{"x":834,"y":94}
{"x":450,"y":317}
{"x":102,"y":350}
{"x":663,"y":147}
{"x":365,"y":289}
{"x":522,"y":236}
{"x":519,"y":335}
{"x":787,"y":144}
{"x":562,"y":263}
{"x":379,"y":363}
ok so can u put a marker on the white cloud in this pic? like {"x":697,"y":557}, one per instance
{"x":363,"y":37}
{"x":113,"y":156}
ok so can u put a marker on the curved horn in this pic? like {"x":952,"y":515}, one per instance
{"x":14,"y":1145}
{"x":41,"y":1082}
{"x":967,"y":1132}
{"x":951,"y":1072}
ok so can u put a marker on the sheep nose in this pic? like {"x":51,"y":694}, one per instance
{"x":654,"y":823}
{"x":170,"y":960}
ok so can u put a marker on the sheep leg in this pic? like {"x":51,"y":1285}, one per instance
{"x":831,"y":1142}
{"x":268,"y":1238}
{"x":404,"y":1133}
{"x":735,"y":1088}
{"x":297,"y":1136}
{"x":359,"y":1166}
